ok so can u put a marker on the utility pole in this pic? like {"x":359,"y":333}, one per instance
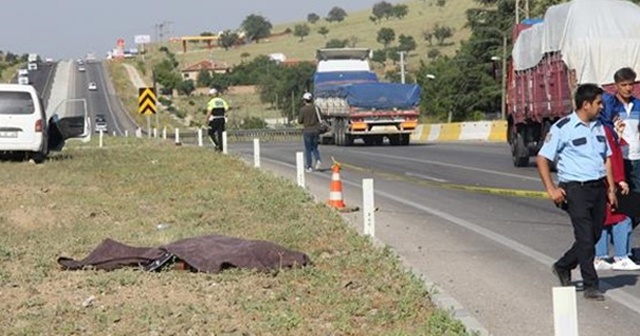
{"x":401,"y":66}
{"x":522,"y":10}
{"x":503,"y":98}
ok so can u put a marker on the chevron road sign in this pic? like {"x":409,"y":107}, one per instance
{"x":146,"y":101}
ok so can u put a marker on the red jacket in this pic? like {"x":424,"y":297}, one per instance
{"x":617,"y":165}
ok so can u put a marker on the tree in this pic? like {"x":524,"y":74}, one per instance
{"x":167,"y":75}
{"x":256,"y":27}
{"x":244,"y":56}
{"x":313,"y":18}
{"x":336,"y":43}
{"x":336,"y":14}
{"x":406,"y":43}
{"x":386,"y":36}
{"x":400,"y":11}
{"x":323,"y":31}
{"x":186,"y":87}
{"x":382,"y":9}
{"x":441,"y":33}
{"x":441,"y":3}
{"x":301,"y":30}
{"x":394,"y":54}
{"x":433,"y":53}
{"x":204,"y":78}
{"x":204,"y":34}
{"x":379,"y":56}
{"x":228,"y":39}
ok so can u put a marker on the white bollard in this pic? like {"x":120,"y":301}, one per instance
{"x":155,"y":133}
{"x":100,"y":137}
{"x":177,"y":135}
{"x":138,"y":132}
{"x":368,"y":207}
{"x":164,"y":133}
{"x":224,"y":143}
{"x":300,"y":168}
{"x":114,"y":133}
{"x":565,"y":311}
{"x":126,"y":133}
{"x":200,"y":137}
{"x":256,"y":153}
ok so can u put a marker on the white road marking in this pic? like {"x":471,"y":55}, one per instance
{"x":426,"y":177}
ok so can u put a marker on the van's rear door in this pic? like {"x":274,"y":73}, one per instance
{"x":70,"y":120}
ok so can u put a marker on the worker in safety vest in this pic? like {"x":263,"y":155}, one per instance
{"x":216,"y":109}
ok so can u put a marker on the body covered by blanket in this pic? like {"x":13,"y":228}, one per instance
{"x":210,"y":254}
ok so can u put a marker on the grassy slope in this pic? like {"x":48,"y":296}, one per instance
{"x":123,"y":191}
{"x":422,"y":15}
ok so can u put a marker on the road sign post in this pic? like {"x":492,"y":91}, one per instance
{"x":147,"y":104}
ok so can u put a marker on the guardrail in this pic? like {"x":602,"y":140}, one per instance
{"x":190,"y":135}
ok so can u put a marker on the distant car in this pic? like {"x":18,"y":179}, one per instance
{"x":93,"y":86}
{"x":48,"y":60}
{"x":101,"y":126}
{"x":81,"y":69}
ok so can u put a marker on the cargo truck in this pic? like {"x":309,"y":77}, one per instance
{"x":358,"y":106}
{"x":582,"y":41}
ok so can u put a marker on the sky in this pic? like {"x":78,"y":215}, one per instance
{"x":65,"y":29}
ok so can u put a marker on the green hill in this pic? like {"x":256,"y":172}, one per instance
{"x":423,"y":15}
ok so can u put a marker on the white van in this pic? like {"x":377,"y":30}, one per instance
{"x":24,"y":128}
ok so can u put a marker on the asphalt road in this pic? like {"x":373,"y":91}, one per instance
{"x":41,"y":80}
{"x":103,"y":100}
{"x":490,"y":252}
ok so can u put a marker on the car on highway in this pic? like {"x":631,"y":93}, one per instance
{"x":25,"y":131}
{"x":82,"y":69}
{"x":101,"y":124}
{"x":93,"y":86}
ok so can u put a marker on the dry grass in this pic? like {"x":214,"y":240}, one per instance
{"x":9,"y":72}
{"x":68,"y":205}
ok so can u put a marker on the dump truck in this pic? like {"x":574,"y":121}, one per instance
{"x":577,"y":42}
{"x":356,"y":105}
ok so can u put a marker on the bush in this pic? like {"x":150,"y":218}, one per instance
{"x":253,"y":123}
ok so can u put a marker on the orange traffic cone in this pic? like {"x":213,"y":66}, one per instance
{"x":335,"y":190}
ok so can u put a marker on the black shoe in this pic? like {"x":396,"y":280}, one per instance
{"x":562,"y":274}
{"x":591,"y":293}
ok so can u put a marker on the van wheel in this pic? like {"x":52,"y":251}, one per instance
{"x":39,"y":157}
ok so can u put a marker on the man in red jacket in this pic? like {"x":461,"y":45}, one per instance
{"x":616,"y":224}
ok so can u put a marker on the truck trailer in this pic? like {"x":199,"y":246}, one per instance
{"x":358,"y":106}
{"x":582,"y":41}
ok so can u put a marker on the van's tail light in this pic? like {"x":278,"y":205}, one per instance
{"x":39,"y":125}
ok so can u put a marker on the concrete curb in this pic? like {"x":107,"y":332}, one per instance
{"x":465,"y":131}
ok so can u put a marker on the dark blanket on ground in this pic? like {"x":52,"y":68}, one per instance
{"x":210,"y":254}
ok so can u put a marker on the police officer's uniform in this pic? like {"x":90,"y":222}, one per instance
{"x":580,"y":151}
{"x":218,"y":107}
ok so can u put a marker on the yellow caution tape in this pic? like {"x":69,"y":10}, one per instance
{"x":445,"y":185}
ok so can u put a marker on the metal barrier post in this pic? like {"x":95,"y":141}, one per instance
{"x":256,"y":153}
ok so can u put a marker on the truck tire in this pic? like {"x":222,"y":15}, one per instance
{"x":405,"y":139}
{"x":348,"y":140}
{"x":338,"y":132}
{"x":520,"y":153}
{"x":394,"y":139}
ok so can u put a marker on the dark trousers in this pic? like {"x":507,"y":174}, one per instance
{"x":216,"y":127}
{"x":586,"y":207}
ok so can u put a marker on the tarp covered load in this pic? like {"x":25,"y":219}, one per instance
{"x":210,"y":254}
{"x":326,"y":82}
{"x":595,"y":38}
{"x":381,"y":95}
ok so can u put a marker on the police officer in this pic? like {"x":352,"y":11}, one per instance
{"x":216,"y":108}
{"x":578,"y":144}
